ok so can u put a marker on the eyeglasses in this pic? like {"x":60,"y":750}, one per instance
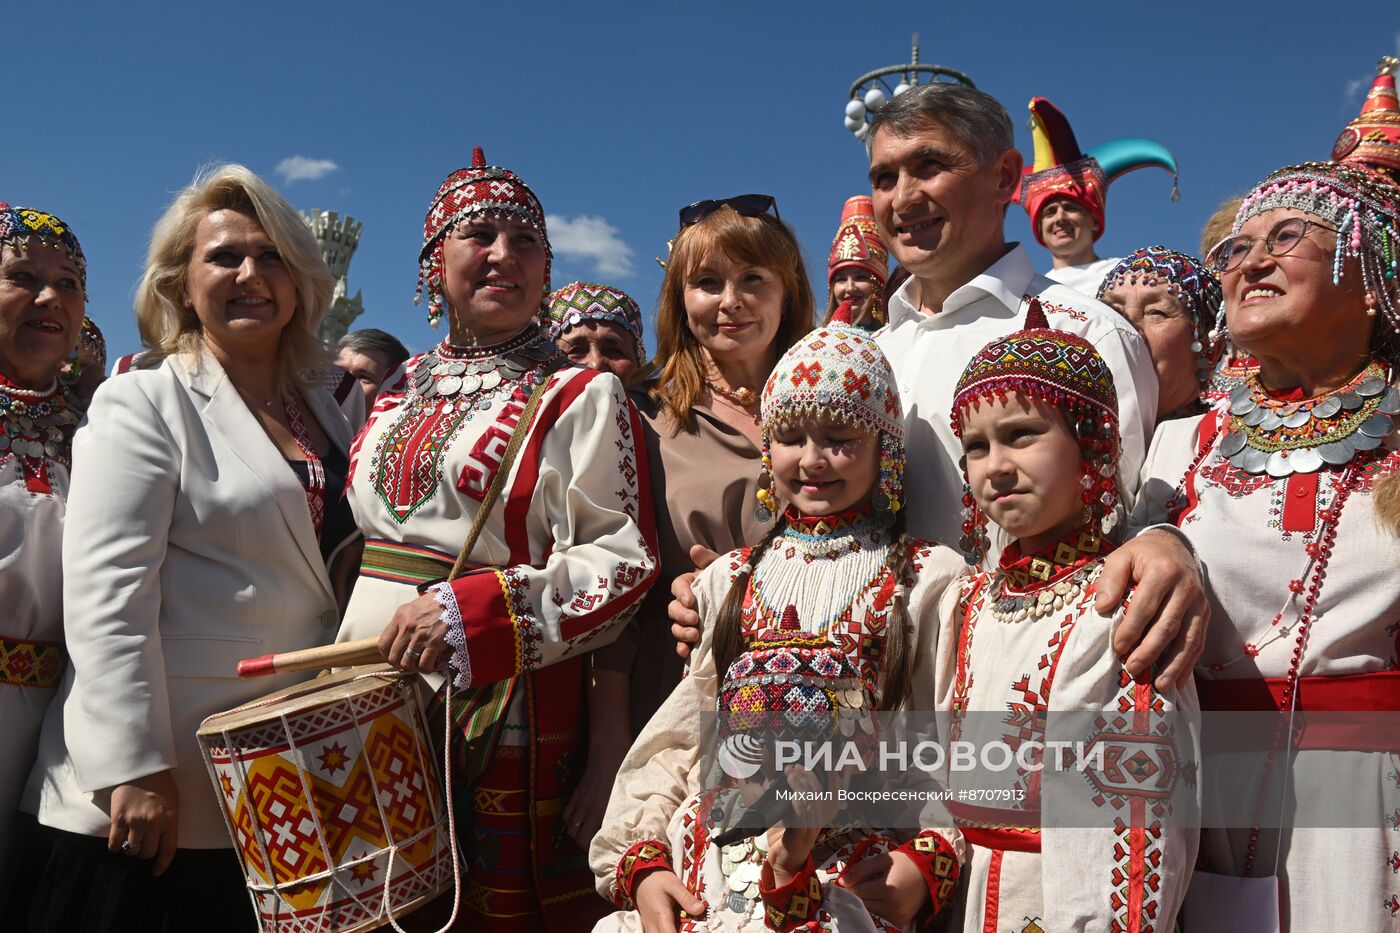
{"x":1231,"y":251}
{"x":748,"y":205}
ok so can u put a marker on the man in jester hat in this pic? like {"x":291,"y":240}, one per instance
{"x":1065,"y":190}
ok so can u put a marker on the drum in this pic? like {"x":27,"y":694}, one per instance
{"x":331,"y":794}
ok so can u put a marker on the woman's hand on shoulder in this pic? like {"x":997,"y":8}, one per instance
{"x":416,"y":637}
{"x":660,"y":896}
{"x":145,"y":819}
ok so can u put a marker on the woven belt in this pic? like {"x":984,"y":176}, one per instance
{"x":412,"y":565}
{"x":31,"y":663}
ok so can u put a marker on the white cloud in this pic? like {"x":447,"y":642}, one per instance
{"x":302,"y":168}
{"x":1354,"y":89}
{"x":592,"y":240}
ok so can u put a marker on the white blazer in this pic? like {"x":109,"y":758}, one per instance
{"x":188,"y":546}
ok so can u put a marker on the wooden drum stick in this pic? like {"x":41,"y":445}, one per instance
{"x":345,"y":654}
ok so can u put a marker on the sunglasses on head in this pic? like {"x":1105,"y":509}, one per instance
{"x":748,"y":205}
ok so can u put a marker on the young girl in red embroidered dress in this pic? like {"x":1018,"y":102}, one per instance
{"x":1091,"y":840}
{"x":839,"y":562}
{"x":1290,"y":496}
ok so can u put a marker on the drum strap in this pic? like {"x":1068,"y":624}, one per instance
{"x":477,"y":717}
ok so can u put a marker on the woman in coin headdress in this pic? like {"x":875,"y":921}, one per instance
{"x":43,"y":288}
{"x":564,"y":552}
{"x":1291,"y":498}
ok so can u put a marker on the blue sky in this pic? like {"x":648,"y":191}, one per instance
{"x":619,"y":114}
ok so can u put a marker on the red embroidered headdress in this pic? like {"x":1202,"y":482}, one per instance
{"x":478,"y":189}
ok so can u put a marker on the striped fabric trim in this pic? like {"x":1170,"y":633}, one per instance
{"x":411,"y":565}
{"x":31,"y":663}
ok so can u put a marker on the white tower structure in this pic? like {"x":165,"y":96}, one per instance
{"x":338,"y":237}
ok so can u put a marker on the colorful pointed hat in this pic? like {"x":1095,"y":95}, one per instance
{"x":1373,"y":138}
{"x":858,"y":242}
{"x":1062,"y":170}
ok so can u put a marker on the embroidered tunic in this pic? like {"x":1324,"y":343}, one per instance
{"x":1257,"y":535}
{"x":567,"y":549}
{"x":1019,"y":658}
{"x":841,"y":585}
{"x":34,"y":464}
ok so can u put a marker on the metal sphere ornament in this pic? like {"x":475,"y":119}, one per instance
{"x":873,"y":90}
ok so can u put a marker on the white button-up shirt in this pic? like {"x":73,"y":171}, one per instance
{"x":1085,"y":278}
{"x":929,"y":352}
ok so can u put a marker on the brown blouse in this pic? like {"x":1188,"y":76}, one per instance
{"x":702,"y":490}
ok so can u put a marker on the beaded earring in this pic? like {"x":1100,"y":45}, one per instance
{"x":889,"y":491}
{"x":1099,"y":481}
{"x":767,"y":502}
{"x":974,"y":543}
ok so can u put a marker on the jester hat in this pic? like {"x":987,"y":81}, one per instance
{"x":858,"y":242}
{"x":21,"y":226}
{"x":1061,"y":170}
{"x":468,"y":192}
{"x":578,"y":302}
{"x":1373,"y":138}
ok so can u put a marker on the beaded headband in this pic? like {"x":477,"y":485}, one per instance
{"x":19,"y":226}
{"x":578,"y":302}
{"x":480,"y":189}
{"x":837,"y":371}
{"x":1362,"y":204}
{"x":1187,"y":279}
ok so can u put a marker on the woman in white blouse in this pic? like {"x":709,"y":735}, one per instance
{"x":206,"y":503}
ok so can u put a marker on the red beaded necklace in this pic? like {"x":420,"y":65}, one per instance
{"x":1319,"y":552}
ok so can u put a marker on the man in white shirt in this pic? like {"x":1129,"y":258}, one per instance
{"x":943,"y":168}
{"x":1069,"y":230}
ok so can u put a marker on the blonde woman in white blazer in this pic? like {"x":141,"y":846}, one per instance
{"x":206,"y":501}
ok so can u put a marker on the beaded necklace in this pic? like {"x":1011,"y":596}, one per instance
{"x":472,"y":377}
{"x":742,"y":396}
{"x":1319,"y":552}
{"x":851,"y":550}
{"x":1030,"y":587}
{"x":315,"y":470}
{"x":1280,"y":438}
{"x":36,"y":425}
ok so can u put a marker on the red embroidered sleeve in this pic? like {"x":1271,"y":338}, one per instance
{"x":796,"y":904}
{"x":646,"y":856}
{"x":938,"y":863}
{"x":570,"y":594}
